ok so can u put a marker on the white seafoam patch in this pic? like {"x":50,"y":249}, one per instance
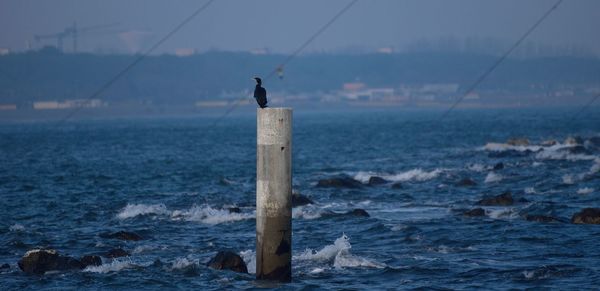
{"x":493,"y":178}
{"x":203,"y":213}
{"x":116,"y":265}
{"x":585,"y":190}
{"x":16,"y":227}
{"x":418,"y":175}
{"x":133,"y":210}
{"x":336,"y":255}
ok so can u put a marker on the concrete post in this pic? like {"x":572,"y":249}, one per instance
{"x":274,"y":194}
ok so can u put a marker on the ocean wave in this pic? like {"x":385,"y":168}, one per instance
{"x":563,"y":155}
{"x":502,"y":147}
{"x":493,"y":178}
{"x":530,"y":190}
{"x":476,"y":167}
{"x":16,"y":227}
{"x":585,"y":190}
{"x":307,"y":212}
{"x":209,"y":215}
{"x":338,"y":254}
{"x":115,"y":265}
{"x":133,"y":210}
{"x":249,"y":257}
{"x":504,"y":213}
{"x":411,"y":175}
{"x":184,"y":264}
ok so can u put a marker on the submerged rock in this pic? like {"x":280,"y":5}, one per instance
{"x":541,"y":218}
{"x":374,"y":180}
{"x":587,"y":216}
{"x":123,"y":235}
{"x":504,"y":199}
{"x":474,"y":212}
{"x":358,"y":212}
{"x":521,"y":141}
{"x":397,"y":185}
{"x":39,"y":261}
{"x":226,"y":260}
{"x":116,"y":253}
{"x":234,"y":210}
{"x":339,"y":182}
{"x":90,"y":260}
{"x":498,"y":166}
{"x":300,"y":200}
{"x":5,"y":267}
{"x":466,"y":182}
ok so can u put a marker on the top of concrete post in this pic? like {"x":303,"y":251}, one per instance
{"x":274,"y":125}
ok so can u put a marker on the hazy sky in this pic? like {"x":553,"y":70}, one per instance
{"x":282,"y":25}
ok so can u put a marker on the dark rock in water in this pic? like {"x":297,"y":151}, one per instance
{"x":578,"y":149}
{"x":374,"y":180}
{"x":5,"y":267}
{"x":358,"y":212}
{"x":116,"y":253}
{"x":541,"y":218}
{"x":498,"y":166}
{"x":123,"y":235}
{"x":474,"y":212}
{"x":90,"y":261}
{"x":504,"y":199}
{"x":40,"y":261}
{"x":157,"y":263}
{"x":397,"y":185}
{"x":300,"y":200}
{"x":226,"y":260}
{"x":225,"y":182}
{"x":523,"y":200}
{"x":339,"y":182}
{"x":587,"y":216}
{"x":234,"y":210}
{"x":549,"y":142}
{"x":466,"y":182}
{"x":518,"y":141}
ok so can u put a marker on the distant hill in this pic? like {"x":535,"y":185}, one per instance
{"x":167,"y":79}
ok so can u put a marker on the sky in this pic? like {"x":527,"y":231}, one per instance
{"x":281,"y":26}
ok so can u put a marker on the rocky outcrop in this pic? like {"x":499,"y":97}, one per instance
{"x":116,"y":253}
{"x":358,"y":212}
{"x":574,"y":140}
{"x":587,"y":216}
{"x":339,"y":182}
{"x":90,"y":260}
{"x":300,"y":200}
{"x":504,"y":199}
{"x":39,"y":261}
{"x":466,"y":182}
{"x":226,"y":260}
{"x":474,"y":212}
{"x":122,"y":235}
{"x":374,"y":180}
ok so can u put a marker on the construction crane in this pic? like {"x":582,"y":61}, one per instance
{"x":73,"y":32}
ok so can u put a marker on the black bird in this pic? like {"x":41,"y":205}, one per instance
{"x":260,"y":94}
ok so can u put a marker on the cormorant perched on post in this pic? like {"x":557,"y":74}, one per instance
{"x":260,"y":94}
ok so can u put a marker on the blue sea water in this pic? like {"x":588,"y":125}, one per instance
{"x":171,"y":180}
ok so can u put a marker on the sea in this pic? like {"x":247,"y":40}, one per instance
{"x":172,"y":180}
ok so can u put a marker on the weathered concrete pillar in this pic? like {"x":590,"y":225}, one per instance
{"x":274,"y":194}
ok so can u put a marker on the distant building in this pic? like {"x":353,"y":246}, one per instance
{"x":185,"y":52}
{"x":8,"y":106}
{"x":356,"y":86}
{"x":75,"y":103}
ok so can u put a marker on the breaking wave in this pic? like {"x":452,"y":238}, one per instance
{"x":115,"y":265}
{"x":133,"y":210}
{"x":209,"y":215}
{"x":411,"y":175}
{"x":493,"y":178}
{"x":338,"y":255}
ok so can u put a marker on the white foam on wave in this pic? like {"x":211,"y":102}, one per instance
{"x":115,"y":265}
{"x":530,"y":190}
{"x":249,"y":257}
{"x":563,"y":155}
{"x":476,"y":167}
{"x":568,"y":179}
{"x":184,"y":263}
{"x":493,"y":178}
{"x":501,"y":147}
{"x":306,"y":212}
{"x":209,"y":215}
{"x":411,"y":175}
{"x":133,"y":210}
{"x":503,"y":213}
{"x":16,"y":227}
{"x":339,"y":253}
{"x":585,"y":190}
